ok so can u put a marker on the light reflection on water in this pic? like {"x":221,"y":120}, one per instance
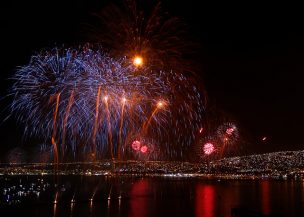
{"x":144,"y":197}
{"x":205,"y":200}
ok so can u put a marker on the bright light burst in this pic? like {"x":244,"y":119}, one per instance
{"x":208,"y":148}
{"x":138,"y":61}
{"x":160,"y":104}
{"x":87,"y":102}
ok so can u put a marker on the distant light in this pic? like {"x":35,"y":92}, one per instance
{"x":124,"y":99}
{"x":138,"y":61}
{"x":144,"y":149}
{"x":106,"y":98}
{"x":264,"y":138}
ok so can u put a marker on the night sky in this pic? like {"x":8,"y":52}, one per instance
{"x":251,"y":56}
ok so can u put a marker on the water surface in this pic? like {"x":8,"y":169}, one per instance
{"x":144,"y":197}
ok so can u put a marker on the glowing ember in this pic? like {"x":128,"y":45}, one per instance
{"x":138,"y":61}
{"x":208,"y":148}
{"x":136,"y":145}
{"x":201,"y":130}
{"x":144,"y":149}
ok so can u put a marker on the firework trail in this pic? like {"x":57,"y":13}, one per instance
{"x":56,"y":158}
{"x":87,"y":102}
{"x":96,"y":120}
{"x":66,"y":116}
{"x":120,"y":128}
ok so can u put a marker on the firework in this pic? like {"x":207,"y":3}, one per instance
{"x":136,"y":145}
{"x":207,"y":147}
{"x":147,"y":35}
{"x":83,"y":101}
{"x":146,"y":149}
{"x":228,"y":133}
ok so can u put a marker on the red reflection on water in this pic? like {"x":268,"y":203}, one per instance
{"x":205,"y":200}
{"x":265,"y":197}
{"x":138,"y":202}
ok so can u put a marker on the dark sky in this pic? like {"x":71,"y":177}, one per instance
{"x":251,"y":53}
